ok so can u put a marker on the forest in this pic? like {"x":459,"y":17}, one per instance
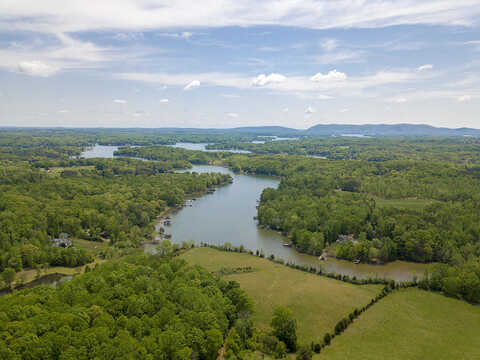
{"x":109,"y":200}
{"x":365,"y":200}
{"x":30,"y":144}
{"x":165,"y":153}
{"x":138,"y":308}
{"x":451,"y":149}
{"x":378,"y":212}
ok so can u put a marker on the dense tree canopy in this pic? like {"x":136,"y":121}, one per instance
{"x":116,"y":200}
{"x":458,"y":150}
{"x":139,"y":308}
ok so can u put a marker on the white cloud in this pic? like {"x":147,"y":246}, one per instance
{"x":182,"y":35}
{"x":405,"y":46}
{"x":269,"y":49}
{"x":164,"y":100}
{"x":399,"y":100}
{"x":73,"y":49}
{"x":442,"y":94}
{"x":263,"y":80}
{"x":130,"y":36}
{"x":334,"y":82}
{"x":120,"y":101}
{"x":310,"y":110}
{"x":425,"y":67}
{"x":214,"y":78}
{"x":192,"y":85}
{"x":324,"y":97}
{"x":464,"y":98}
{"x":139,"y":113}
{"x":36,"y":68}
{"x":344,"y":56}
{"x":329,"y":44}
{"x":232,"y":115}
{"x":135,"y":15}
{"x":47,"y":55}
{"x":230,"y":96}
{"x":332,"y":75}
{"x":285,"y":110}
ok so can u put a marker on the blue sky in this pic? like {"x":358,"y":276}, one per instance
{"x":227,"y":63}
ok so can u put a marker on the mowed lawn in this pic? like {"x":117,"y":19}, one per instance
{"x":411,"y":324}
{"x":317,"y":302}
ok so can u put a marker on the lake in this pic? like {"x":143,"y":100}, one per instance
{"x":228,"y":214}
{"x":99,"y":151}
{"x":202,"y":147}
{"x":106,"y":151}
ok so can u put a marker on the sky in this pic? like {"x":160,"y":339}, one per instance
{"x":230,"y":63}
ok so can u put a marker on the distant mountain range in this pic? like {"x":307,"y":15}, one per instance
{"x":381,"y":130}
{"x":402,"y":130}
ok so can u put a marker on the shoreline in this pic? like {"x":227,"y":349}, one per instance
{"x":173,"y":209}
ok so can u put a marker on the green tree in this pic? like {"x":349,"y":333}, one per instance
{"x":285,"y":327}
{"x":304,"y":353}
{"x":8,"y":275}
{"x":327,"y":339}
{"x":213,"y":343}
{"x":280,"y":350}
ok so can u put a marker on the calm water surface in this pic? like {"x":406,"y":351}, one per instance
{"x":228,"y":216}
{"x":99,"y":151}
{"x":202,"y":147}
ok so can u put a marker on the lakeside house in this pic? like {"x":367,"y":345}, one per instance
{"x":62,"y":241}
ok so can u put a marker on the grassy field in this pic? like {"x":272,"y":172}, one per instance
{"x":318,"y":303}
{"x":411,"y":324}
{"x":93,"y":247}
